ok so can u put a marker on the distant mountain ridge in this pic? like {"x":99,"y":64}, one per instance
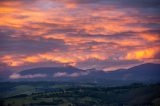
{"x":144,"y":72}
{"x":50,"y":70}
{"x":148,"y":72}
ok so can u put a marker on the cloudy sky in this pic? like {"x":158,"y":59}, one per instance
{"x":102,"y":34}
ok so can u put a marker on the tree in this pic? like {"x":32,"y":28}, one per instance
{"x":1,"y":103}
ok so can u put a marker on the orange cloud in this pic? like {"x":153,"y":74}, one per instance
{"x":86,"y":32}
{"x":71,"y":5}
{"x":71,"y":57}
{"x":130,"y":42}
{"x":19,"y":60}
{"x":67,"y":58}
{"x":74,"y":40}
{"x":32,"y":59}
{"x":150,"y":37}
{"x":7,"y":10}
{"x":10,"y":61}
{"x":142,"y":54}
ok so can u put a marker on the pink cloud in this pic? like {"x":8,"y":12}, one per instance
{"x":60,"y":74}
{"x":75,"y":74}
{"x":18,"y":76}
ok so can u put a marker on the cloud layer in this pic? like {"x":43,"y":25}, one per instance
{"x":104,"y":34}
{"x":18,"y":76}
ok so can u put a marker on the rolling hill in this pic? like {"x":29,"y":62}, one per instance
{"x":143,"y":73}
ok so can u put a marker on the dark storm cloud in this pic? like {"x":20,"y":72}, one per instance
{"x":51,"y":28}
{"x":122,"y":3}
{"x":26,"y":45}
{"x":140,"y":3}
{"x":126,"y":3}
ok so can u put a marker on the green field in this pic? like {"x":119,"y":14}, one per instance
{"x":53,"y":94}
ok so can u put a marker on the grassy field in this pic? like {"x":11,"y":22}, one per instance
{"x":24,"y":94}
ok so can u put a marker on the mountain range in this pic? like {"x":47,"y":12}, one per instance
{"x":148,"y":72}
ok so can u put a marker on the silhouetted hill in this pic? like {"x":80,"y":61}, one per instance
{"x":146,"y":72}
{"x":51,"y":70}
{"x":143,"y":73}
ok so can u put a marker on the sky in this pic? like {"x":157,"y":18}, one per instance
{"x":101,"y":34}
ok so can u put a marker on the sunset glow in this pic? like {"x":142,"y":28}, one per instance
{"x":102,"y":34}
